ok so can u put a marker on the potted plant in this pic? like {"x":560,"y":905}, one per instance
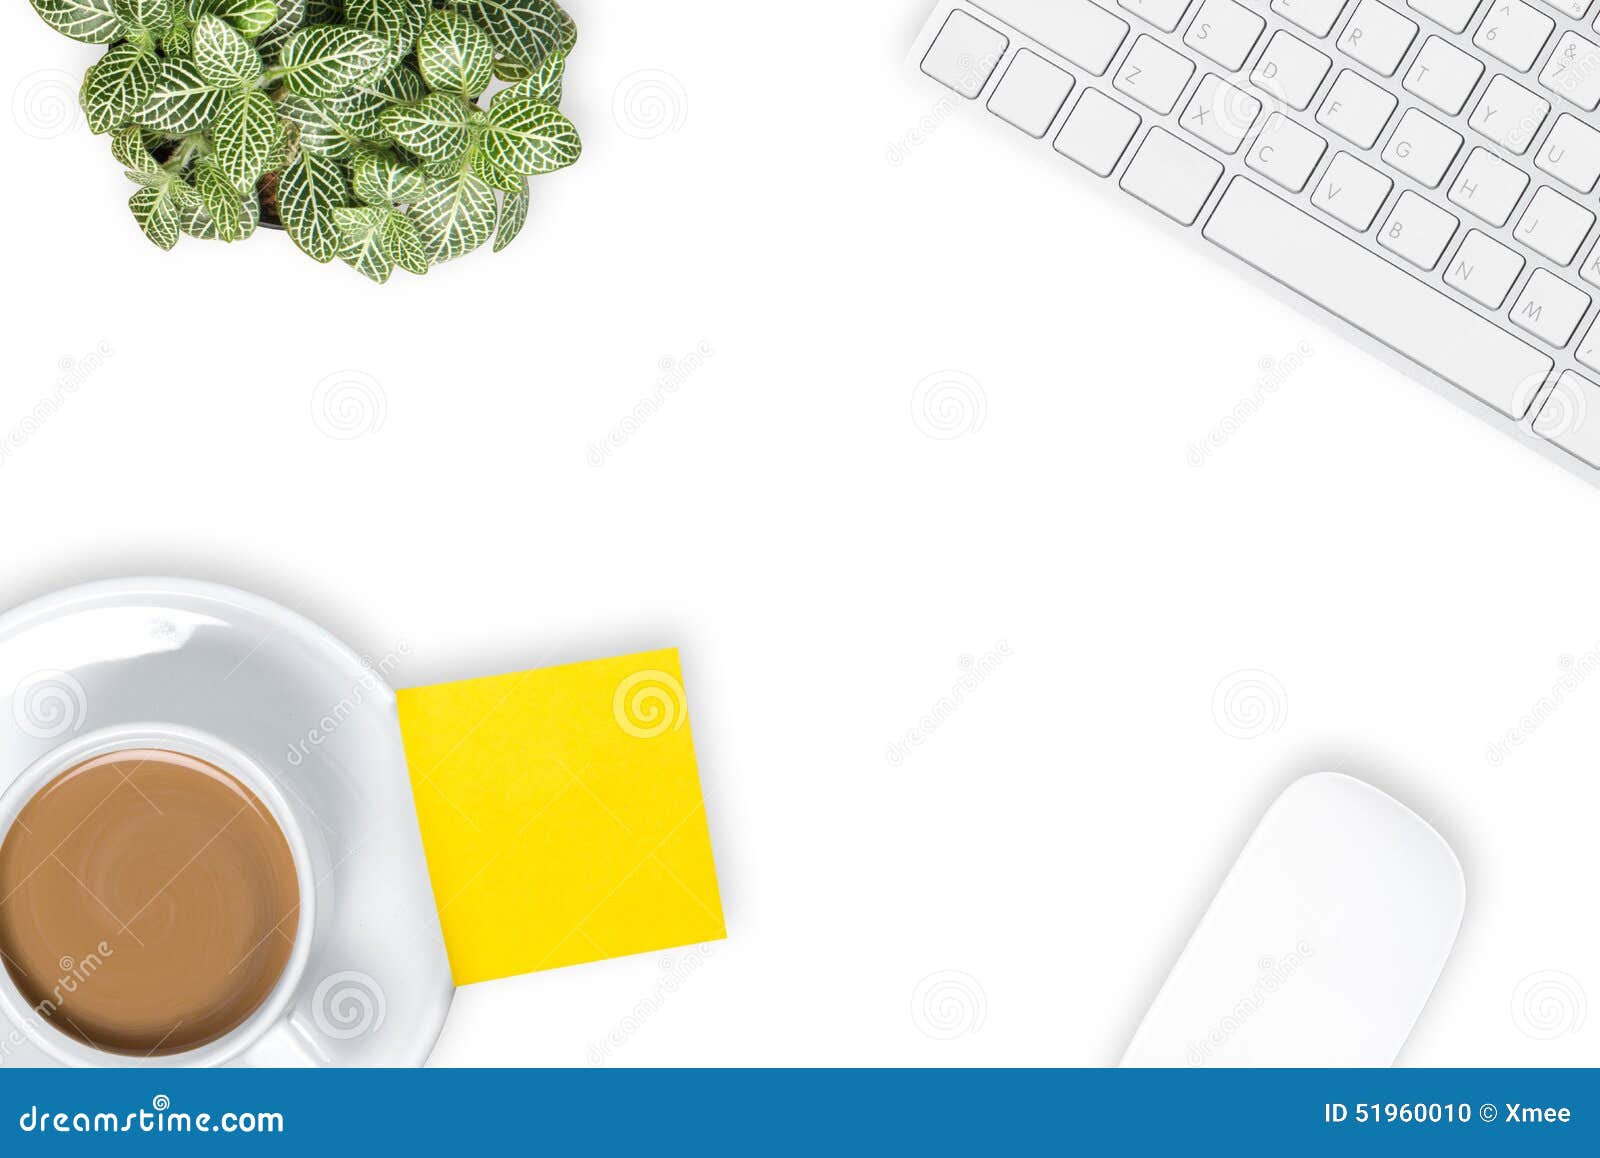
{"x":361,"y":126}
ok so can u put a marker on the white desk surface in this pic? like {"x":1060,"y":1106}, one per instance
{"x":1414,"y":582}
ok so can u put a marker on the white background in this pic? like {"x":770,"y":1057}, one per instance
{"x":1411,"y":580}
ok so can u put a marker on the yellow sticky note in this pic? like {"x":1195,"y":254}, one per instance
{"x":561,"y":814}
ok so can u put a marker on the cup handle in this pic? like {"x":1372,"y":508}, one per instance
{"x":285,"y":1046}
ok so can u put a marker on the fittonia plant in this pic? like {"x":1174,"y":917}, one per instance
{"x":362,"y":126}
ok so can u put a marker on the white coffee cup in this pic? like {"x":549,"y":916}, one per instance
{"x":268,"y":1029}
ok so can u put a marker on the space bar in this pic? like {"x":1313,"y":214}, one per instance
{"x":1377,"y":298}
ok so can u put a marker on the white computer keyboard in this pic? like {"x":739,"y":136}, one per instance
{"x":1422,"y":169}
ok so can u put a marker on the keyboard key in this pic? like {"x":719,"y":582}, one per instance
{"x":1443,"y":75}
{"x":1549,"y":308}
{"x":1357,"y":285}
{"x":1417,"y":230}
{"x":964,"y":54}
{"x":1570,"y":417}
{"x":1422,"y":148}
{"x":1509,"y":114}
{"x":1589,"y":349}
{"x":1031,"y":93}
{"x":1571,"y":154}
{"x":1377,"y":36}
{"x":1577,"y":9}
{"x":1484,"y":270}
{"x":1514,"y":33}
{"x":1164,"y":14}
{"x":1453,"y":14}
{"x":1553,"y":225}
{"x":1591,"y":268}
{"x":1488,"y":187}
{"x":1290,"y":70}
{"x":1168,"y":175}
{"x":1153,"y":74}
{"x":1315,"y":16}
{"x":1351,"y":191}
{"x":1356,"y":109}
{"x":1285,"y":152}
{"x":1084,"y":33}
{"x":1097,"y":131}
{"x":1225,"y":32}
{"x":1573,"y":71}
{"x":1220,"y":114}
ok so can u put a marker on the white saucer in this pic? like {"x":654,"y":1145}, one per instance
{"x":279,"y":702}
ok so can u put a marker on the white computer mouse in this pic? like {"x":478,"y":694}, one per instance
{"x":1322,"y":945}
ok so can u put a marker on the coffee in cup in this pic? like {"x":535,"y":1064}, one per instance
{"x":149,"y":903}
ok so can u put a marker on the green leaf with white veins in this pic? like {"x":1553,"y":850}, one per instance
{"x":179,"y":41}
{"x":116,"y":88}
{"x":510,"y":71}
{"x":319,"y":133}
{"x":399,"y":20}
{"x":128,"y":147}
{"x":322,"y":60}
{"x":91,"y":21}
{"x":361,"y":242}
{"x":528,"y":136}
{"x":455,"y":55}
{"x":403,"y":242}
{"x":381,"y":180}
{"x":513,"y":214}
{"x":486,"y":165}
{"x":283,"y":151}
{"x":543,"y":83}
{"x":401,"y":83}
{"x":222,"y":200}
{"x":436,"y":130}
{"x":223,"y":56}
{"x":196,"y":222}
{"x":308,"y":193}
{"x":156,"y":214}
{"x":243,"y":133}
{"x":291,"y":16}
{"x":251,"y":17}
{"x":454,"y":215}
{"x":359,"y":112}
{"x":525,"y":30}
{"x":152,"y":17}
{"x":182,"y":101}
